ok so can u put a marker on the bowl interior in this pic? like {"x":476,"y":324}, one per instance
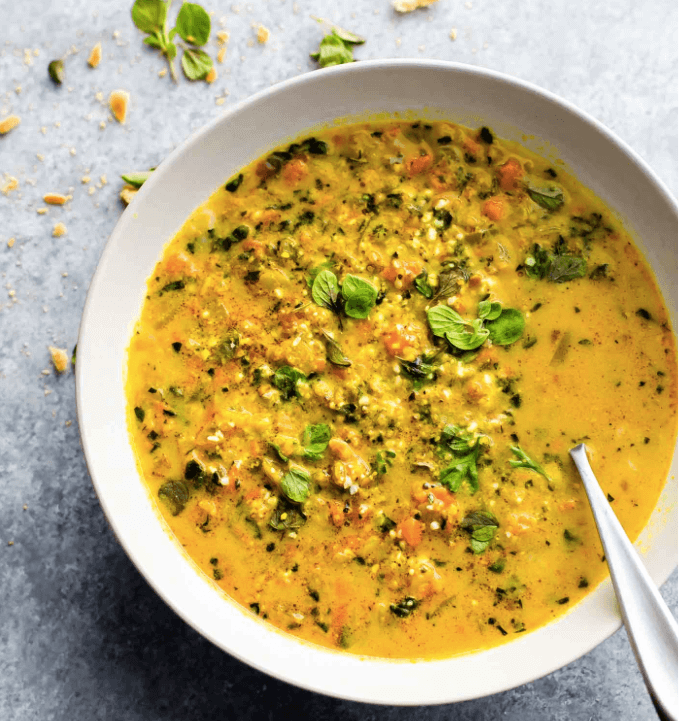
{"x":462,"y":94}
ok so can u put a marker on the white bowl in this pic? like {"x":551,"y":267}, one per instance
{"x":472,"y":96}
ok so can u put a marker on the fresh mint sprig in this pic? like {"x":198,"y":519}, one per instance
{"x":193,"y":27}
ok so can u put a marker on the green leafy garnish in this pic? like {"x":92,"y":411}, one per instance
{"x":359,"y":296}
{"x":420,"y":370}
{"x":525,"y":461}
{"x":192,"y":25}
{"x":175,"y":494}
{"x":287,"y":516}
{"x":489,"y":310}
{"x":140,"y":413}
{"x":449,"y":324}
{"x":336,"y":48}
{"x":286,"y":379}
{"x":404,"y":608}
{"x":549,"y":198}
{"x":296,"y":484}
{"x":555,"y":267}
{"x":315,"y":441}
{"x":196,"y":63}
{"x":137,"y":178}
{"x":421,"y":283}
{"x":325,"y":290}
{"x":56,"y":71}
{"x":383,"y":461}
{"x":334,"y":352}
{"x":507,"y":328}
{"x":482,"y":526}
{"x":235,"y":183}
{"x":384,"y":523}
{"x":465,"y":449}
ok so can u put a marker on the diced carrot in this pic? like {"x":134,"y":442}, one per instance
{"x":411,"y":531}
{"x":471,"y":146}
{"x":180,"y":263}
{"x":254,"y":493}
{"x":509,"y":174}
{"x":494,"y":208}
{"x":443,"y":494}
{"x":404,"y":270}
{"x":294,"y":171}
{"x":418,"y":164}
{"x":568,"y":505}
{"x":336,"y":513}
{"x":258,"y":248}
{"x":398,"y":339}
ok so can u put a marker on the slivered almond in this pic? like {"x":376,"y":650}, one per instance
{"x":55,"y":198}
{"x":211,"y":76}
{"x":59,"y":230}
{"x":9,"y":123}
{"x":118,"y":101}
{"x":59,"y":358}
{"x":95,"y":56}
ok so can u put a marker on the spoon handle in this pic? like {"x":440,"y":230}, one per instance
{"x":651,"y":628}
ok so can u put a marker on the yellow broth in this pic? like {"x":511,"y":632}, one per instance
{"x":359,"y":369}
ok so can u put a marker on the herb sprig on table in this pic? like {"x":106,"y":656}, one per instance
{"x":193,"y":27}
{"x":337,"y":47}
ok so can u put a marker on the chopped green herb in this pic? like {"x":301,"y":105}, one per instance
{"x":286,"y":379}
{"x":140,"y":413}
{"x":315,"y":441}
{"x":404,"y":608}
{"x":175,"y":494}
{"x":481,"y":525}
{"x":525,"y":461}
{"x":359,"y":296}
{"x":296,"y":484}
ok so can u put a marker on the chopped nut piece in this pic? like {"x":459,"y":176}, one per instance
{"x":118,"y":101}
{"x":11,"y":184}
{"x":85,"y":179}
{"x":221,"y":55}
{"x":407,"y":6}
{"x":162,"y":72}
{"x":55,"y":198}
{"x":10,"y":243}
{"x":223,"y":37}
{"x":40,"y":157}
{"x":211,"y":76}
{"x":59,"y":230}
{"x":59,"y":358}
{"x":453,"y":34}
{"x":9,"y":123}
{"x":127,"y":193}
{"x":262,"y":34}
{"x":95,"y":56}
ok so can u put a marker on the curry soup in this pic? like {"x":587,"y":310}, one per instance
{"x":359,"y":369}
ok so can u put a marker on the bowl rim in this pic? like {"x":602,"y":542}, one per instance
{"x":576,"y":650}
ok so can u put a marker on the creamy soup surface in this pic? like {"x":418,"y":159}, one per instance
{"x":357,"y":374}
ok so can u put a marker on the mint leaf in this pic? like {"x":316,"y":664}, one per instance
{"x":315,"y":441}
{"x":334,"y":352}
{"x":333,"y":50}
{"x":443,"y":319}
{"x":325,"y":289}
{"x":137,"y":179}
{"x":286,"y":379}
{"x":550,"y":198}
{"x":359,"y":296}
{"x":421,"y":283}
{"x":468,"y":336}
{"x":196,"y":64}
{"x":525,"y":461}
{"x":481,"y":525}
{"x":149,"y":15}
{"x":489,"y":310}
{"x":296,"y":484}
{"x":193,"y":24}
{"x":507,"y":328}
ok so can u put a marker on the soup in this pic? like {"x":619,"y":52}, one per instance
{"x":357,"y":374}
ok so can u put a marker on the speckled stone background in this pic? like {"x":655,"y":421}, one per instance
{"x":82,"y":636}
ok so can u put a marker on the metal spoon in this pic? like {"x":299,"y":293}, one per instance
{"x":651,"y":628}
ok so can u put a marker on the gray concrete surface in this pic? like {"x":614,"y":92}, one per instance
{"x":81,"y":634}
